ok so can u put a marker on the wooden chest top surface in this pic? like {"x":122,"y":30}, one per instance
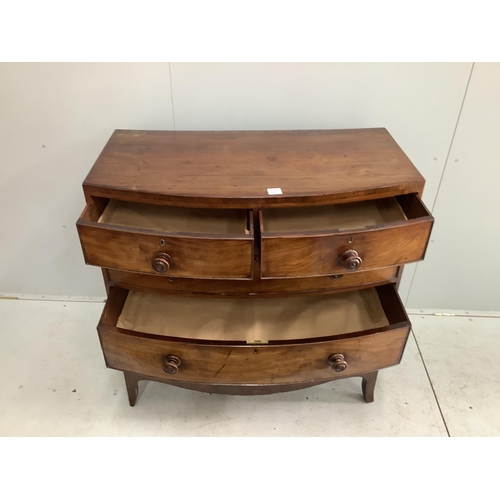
{"x":236,"y":168}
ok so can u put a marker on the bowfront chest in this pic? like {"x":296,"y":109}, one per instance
{"x":253,"y":262}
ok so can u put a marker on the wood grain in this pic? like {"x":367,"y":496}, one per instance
{"x":320,"y":255}
{"x":193,"y":254}
{"x":231,"y":389}
{"x":293,"y":361}
{"x":250,"y":364}
{"x":252,"y":288}
{"x":368,"y":386}
{"x":235,"y":168}
{"x":304,"y":254}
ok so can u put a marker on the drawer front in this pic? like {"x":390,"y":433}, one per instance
{"x":322,"y":284}
{"x":348,"y":251}
{"x":269,"y":364}
{"x":165,"y":254}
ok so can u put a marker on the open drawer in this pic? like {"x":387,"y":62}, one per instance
{"x":327,"y":240}
{"x":164,"y":240}
{"x":257,"y":341}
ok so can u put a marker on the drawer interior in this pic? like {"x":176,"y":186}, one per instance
{"x":343,"y":217}
{"x":258,"y":320}
{"x":175,"y":219}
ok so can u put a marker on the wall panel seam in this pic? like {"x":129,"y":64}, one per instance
{"x":171,"y":94}
{"x":443,"y":171}
{"x":453,"y":137}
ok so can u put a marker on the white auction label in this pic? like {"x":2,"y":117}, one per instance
{"x":274,"y":191}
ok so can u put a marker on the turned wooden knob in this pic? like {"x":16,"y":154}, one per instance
{"x":351,"y":260}
{"x":161,"y":262}
{"x":171,"y":364}
{"x":339,"y":364}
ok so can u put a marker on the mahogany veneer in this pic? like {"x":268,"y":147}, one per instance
{"x":217,"y":284}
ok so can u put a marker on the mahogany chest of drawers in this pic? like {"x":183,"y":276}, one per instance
{"x":252,"y":262}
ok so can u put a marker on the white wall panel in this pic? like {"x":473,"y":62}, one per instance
{"x":54,"y":121}
{"x":462,"y":266}
{"x":417,"y":102}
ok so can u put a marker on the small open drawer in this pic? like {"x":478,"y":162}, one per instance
{"x":164,"y":240}
{"x":261,"y":341}
{"x":327,"y":240}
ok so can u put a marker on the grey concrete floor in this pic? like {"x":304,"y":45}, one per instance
{"x":53,"y":382}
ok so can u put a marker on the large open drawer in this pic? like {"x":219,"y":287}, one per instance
{"x":253,"y":341}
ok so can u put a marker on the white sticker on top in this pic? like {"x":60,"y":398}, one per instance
{"x":274,"y":191}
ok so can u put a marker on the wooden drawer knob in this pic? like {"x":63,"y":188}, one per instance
{"x":339,"y":364}
{"x":351,"y":260}
{"x":171,"y":364}
{"x":161,"y":262}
